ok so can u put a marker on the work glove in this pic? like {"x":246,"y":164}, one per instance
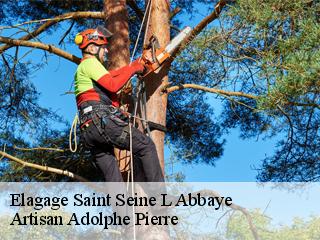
{"x":138,"y":66}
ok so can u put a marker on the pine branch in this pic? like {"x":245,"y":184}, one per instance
{"x":209,"y":193}
{"x":66,"y":33}
{"x":304,"y":104}
{"x":44,"y":168}
{"x":174,"y":12}
{"x":39,"y":148}
{"x":196,"y":30}
{"x":133,"y":5}
{"x":52,"y":21}
{"x":167,"y":89}
{"x":46,"y":47}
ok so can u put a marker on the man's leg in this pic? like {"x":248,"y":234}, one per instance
{"x":145,"y":151}
{"x":107,"y":163}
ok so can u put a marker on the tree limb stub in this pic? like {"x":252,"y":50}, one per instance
{"x":51,"y":22}
{"x":174,"y":12}
{"x":196,"y":30}
{"x":46,"y":47}
{"x":207,"y":89}
{"x":44,"y":168}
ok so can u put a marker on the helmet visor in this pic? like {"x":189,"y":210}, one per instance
{"x":105,"y":32}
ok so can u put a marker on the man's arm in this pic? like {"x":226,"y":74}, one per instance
{"x":113,"y":81}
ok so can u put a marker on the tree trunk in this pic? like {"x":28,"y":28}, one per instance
{"x":159,"y":26}
{"x":117,"y":22}
{"x":118,"y":54}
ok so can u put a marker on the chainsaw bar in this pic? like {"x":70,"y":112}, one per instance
{"x":160,"y":55}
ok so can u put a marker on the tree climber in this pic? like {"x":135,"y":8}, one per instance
{"x":103,"y":125}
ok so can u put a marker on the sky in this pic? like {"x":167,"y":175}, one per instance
{"x":240,"y":156}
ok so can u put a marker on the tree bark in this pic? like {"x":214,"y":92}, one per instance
{"x":117,"y":22}
{"x":159,"y":26}
{"x":118,"y":53}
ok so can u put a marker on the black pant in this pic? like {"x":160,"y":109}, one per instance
{"x":107,"y":131}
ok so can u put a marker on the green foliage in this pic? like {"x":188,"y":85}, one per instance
{"x":273,"y":52}
{"x":238,"y":228}
{"x":287,"y":34}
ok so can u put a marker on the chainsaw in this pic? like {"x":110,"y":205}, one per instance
{"x":153,"y":56}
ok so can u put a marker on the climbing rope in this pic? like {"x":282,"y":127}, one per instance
{"x":132,"y":180}
{"x":139,"y":84}
{"x":148,"y":9}
{"x":141,"y":100}
{"x":147,"y":26}
{"x":73,"y":130}
{"x":135,"y":108}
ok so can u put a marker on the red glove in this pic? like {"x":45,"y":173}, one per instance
{"x":138,"y":66}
